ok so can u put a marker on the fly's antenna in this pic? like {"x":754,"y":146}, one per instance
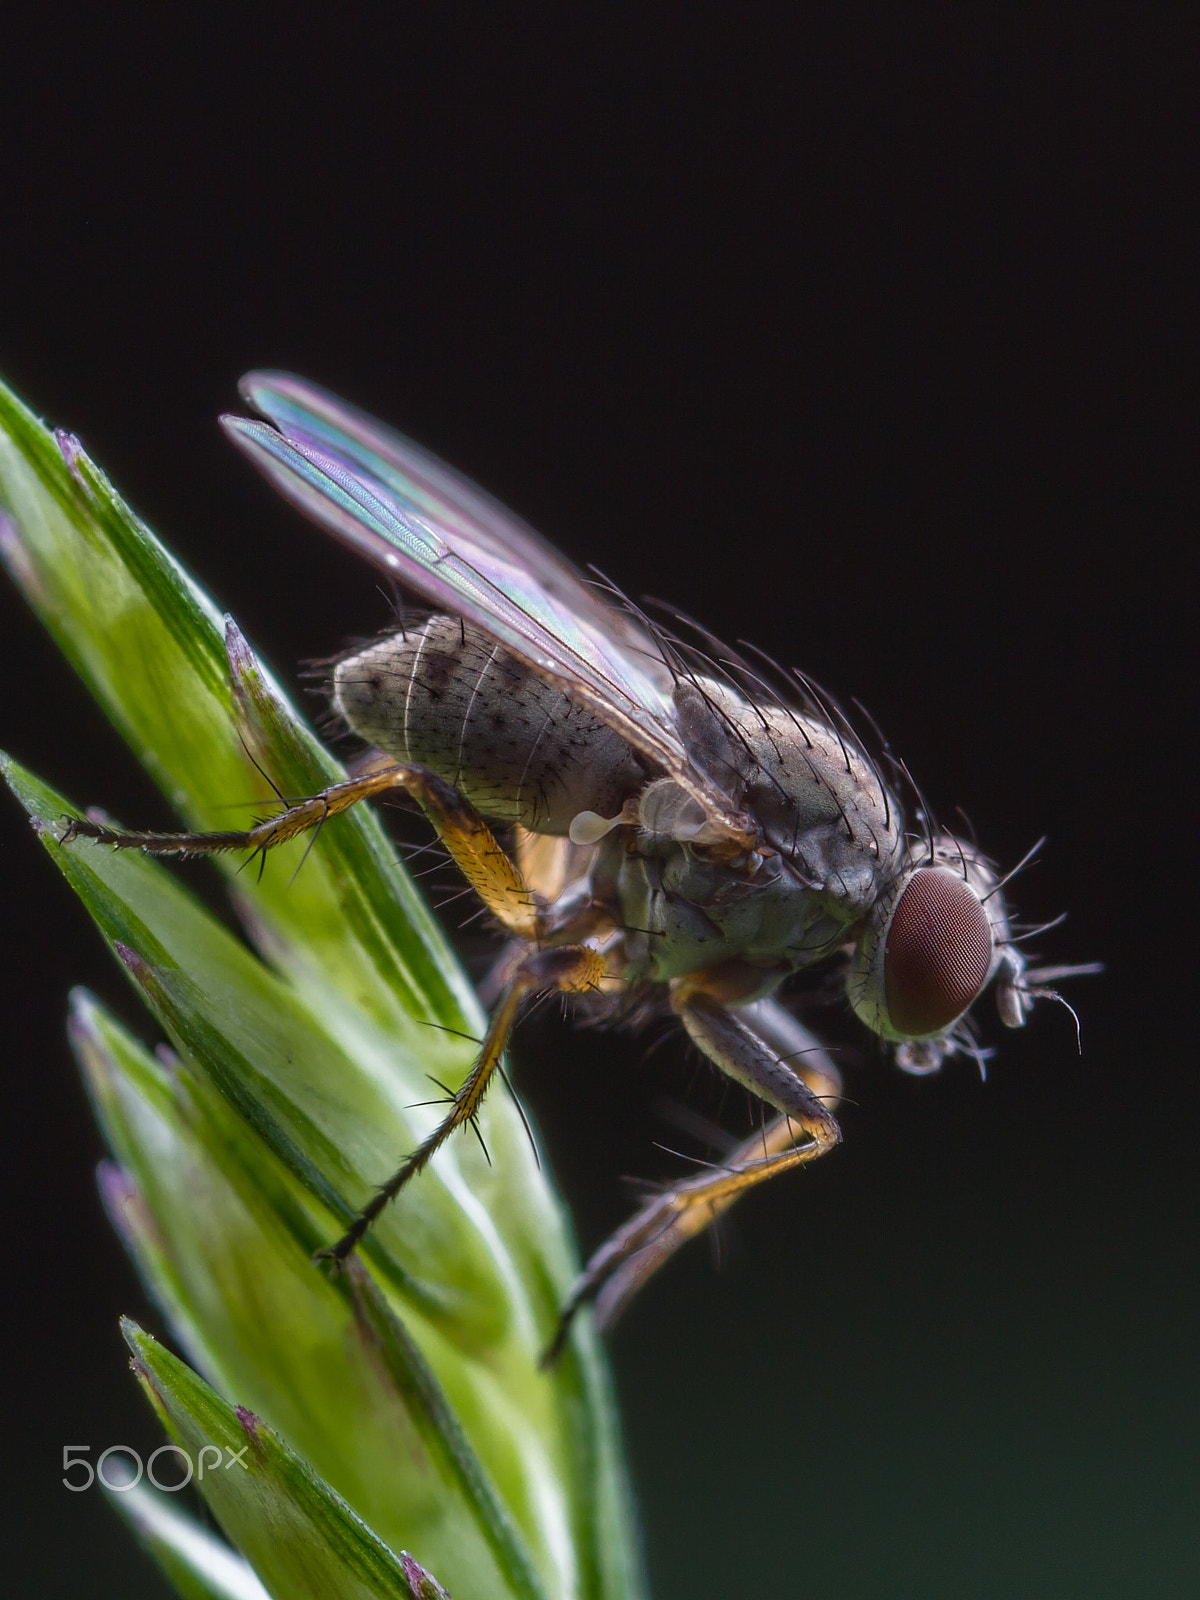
{"x":1053,"y":994}
{"x":1025,"y":861}
{"x":1038,"y":991}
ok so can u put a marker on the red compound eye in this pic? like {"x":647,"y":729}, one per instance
{"x":939,"y":949}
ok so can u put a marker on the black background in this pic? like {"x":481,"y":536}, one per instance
{"x":867,"y":338}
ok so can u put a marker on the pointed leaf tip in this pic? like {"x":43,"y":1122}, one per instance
{"x":236,"y":645}
{"x":300,"y":1537}
{"x":422,"y":1585}
{"x":72,"y":452}
{"x":116,"y":1187}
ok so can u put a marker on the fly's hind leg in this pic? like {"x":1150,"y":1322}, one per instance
{"x":775,"y":1056}
{"x":475,"y":849}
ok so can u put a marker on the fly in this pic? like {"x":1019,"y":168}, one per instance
{"x":686,"y":825}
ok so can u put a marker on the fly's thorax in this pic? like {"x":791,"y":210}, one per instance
{"x":828,"y":841}
{"x":817,"y":800}
{"x":446,"y":696}
{"x":933,"y":942}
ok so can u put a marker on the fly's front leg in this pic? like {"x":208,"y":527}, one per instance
{"x":775,"y":1056}
{"x":569,"y":969}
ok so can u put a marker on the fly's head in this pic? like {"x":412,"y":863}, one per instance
{"x":932,"y":943}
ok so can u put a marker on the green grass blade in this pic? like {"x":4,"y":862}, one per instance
{"x":322,"y":1048}
{"x":213,"y":1221}
{"x":302,"y":1539}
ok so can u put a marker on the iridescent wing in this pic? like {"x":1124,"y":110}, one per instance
{"x":435,"y":532}
{"x":439,"y":496}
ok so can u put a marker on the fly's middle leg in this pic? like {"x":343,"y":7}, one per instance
{"x":779,"y":1061}
{"x":500,"y":884}
{"x":567,"y":969}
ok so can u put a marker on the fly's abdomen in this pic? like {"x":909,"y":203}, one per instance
{"x":444,"y":695}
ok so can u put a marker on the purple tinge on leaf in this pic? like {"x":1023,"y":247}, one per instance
{"x":16,"y":557}
{"x":251,"y":1423}
{"x":126,"y":1209}
{"x":422,"y":1584}
{"x":72,"y":450}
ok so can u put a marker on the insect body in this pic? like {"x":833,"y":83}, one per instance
{"x":686,"y":827}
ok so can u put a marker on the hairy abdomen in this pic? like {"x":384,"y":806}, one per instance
{"x":446,"y":696}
